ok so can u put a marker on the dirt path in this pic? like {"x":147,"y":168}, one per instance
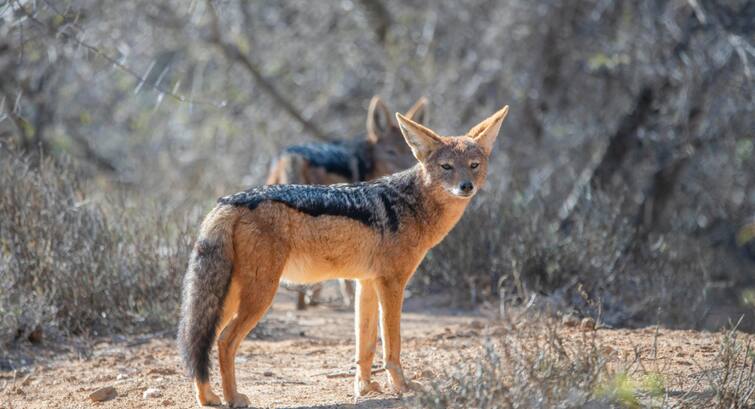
{"x":303,"y":359}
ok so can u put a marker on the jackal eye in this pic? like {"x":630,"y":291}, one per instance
{"x":446,"y":166}
{"x":474,"y":165}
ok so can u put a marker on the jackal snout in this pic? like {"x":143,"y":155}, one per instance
{"x":465,"y":188}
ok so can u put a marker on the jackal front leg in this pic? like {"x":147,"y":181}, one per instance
{"x":391,"y":296}
{"x":366,"y":323}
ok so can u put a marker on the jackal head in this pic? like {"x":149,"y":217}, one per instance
{"x":390,"y":154}
{"x":457,"y":164}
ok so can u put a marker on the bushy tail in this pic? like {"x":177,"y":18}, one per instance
{"x":204,"y":288}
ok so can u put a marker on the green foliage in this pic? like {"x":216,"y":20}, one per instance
{"x":620,"y":388}
{"x":654,"y":383}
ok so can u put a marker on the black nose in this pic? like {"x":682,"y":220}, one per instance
{"x":466,"y":186}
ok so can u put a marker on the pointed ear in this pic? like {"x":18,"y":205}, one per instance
{"x":378,"y":119}
{"x":418,"y":112}
{"x":486,"y":131}
{"x":422,"y":140}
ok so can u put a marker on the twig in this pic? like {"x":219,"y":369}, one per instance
{"x":233,"y":52}
{"x":349,"y":373}
{"x":51,"y":32}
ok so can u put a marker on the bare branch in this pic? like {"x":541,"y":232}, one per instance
{"x":378,"y":17}
{"x":59,"y":34}
{"x":233,"y":52}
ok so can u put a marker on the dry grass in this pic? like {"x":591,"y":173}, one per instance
{"x":527,"y":365}
{"x":732,"y":382}
{"x":72,"y":263}
{"x":530,"y":361}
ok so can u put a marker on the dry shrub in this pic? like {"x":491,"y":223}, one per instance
{"x":528,"y":362}
{"x":528,"y":366}
{"x":77,"y":264}
{"x":732,"y":381}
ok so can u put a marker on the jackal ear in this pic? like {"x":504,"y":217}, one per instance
{"x":378,"y":119}
{"x":422,"y":140}
{"x":418,"y":112}
{"x":486,"y":131}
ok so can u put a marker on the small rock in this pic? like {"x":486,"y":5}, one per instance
{"x":162,"y":371}
{"x":267,"y":373}
{"x":167,"y":402}
{"x":607,"y":350}
{"x":121,"y":377}
{"x":98,"y":378}
{"x":424,"y":374}
{"x":477,"y":324}
{"x":35,"y":337}
{"x":587,"y":324}
{"x":152,"y":393}
{"x":569,"y":320}
{"x":103,"y":394}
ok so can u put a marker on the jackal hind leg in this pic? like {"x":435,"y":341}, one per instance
{"x":314,"y":294}
{"x":257,"y":289}
{"x":365,"y":326}
{"x":204,"y":394}
{"x":307,"y":296}
{"x":347,"y":292}
{"x":390,"y":294}
{"x":301,"y":299}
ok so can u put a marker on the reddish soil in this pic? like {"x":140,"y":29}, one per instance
{"x":303,"y":360}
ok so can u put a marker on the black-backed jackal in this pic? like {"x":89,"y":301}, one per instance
{"x":381,"y":152}
{"x":374,"y":232}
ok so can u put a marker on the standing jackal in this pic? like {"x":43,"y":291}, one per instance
{"x":374,"y":232}
{"x":381,"y":152}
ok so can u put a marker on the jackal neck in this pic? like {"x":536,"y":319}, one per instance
{"x":442,"y":211}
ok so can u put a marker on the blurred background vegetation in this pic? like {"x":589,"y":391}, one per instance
{"x":623,"y":184}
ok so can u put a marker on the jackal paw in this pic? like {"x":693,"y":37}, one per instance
{"x":406,"y":386}
{"x":239,"y":401}
{"x":209,"y":399}
{"x":363,"y":388}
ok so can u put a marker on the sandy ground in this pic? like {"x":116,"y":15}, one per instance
{"x":304,"y":359}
